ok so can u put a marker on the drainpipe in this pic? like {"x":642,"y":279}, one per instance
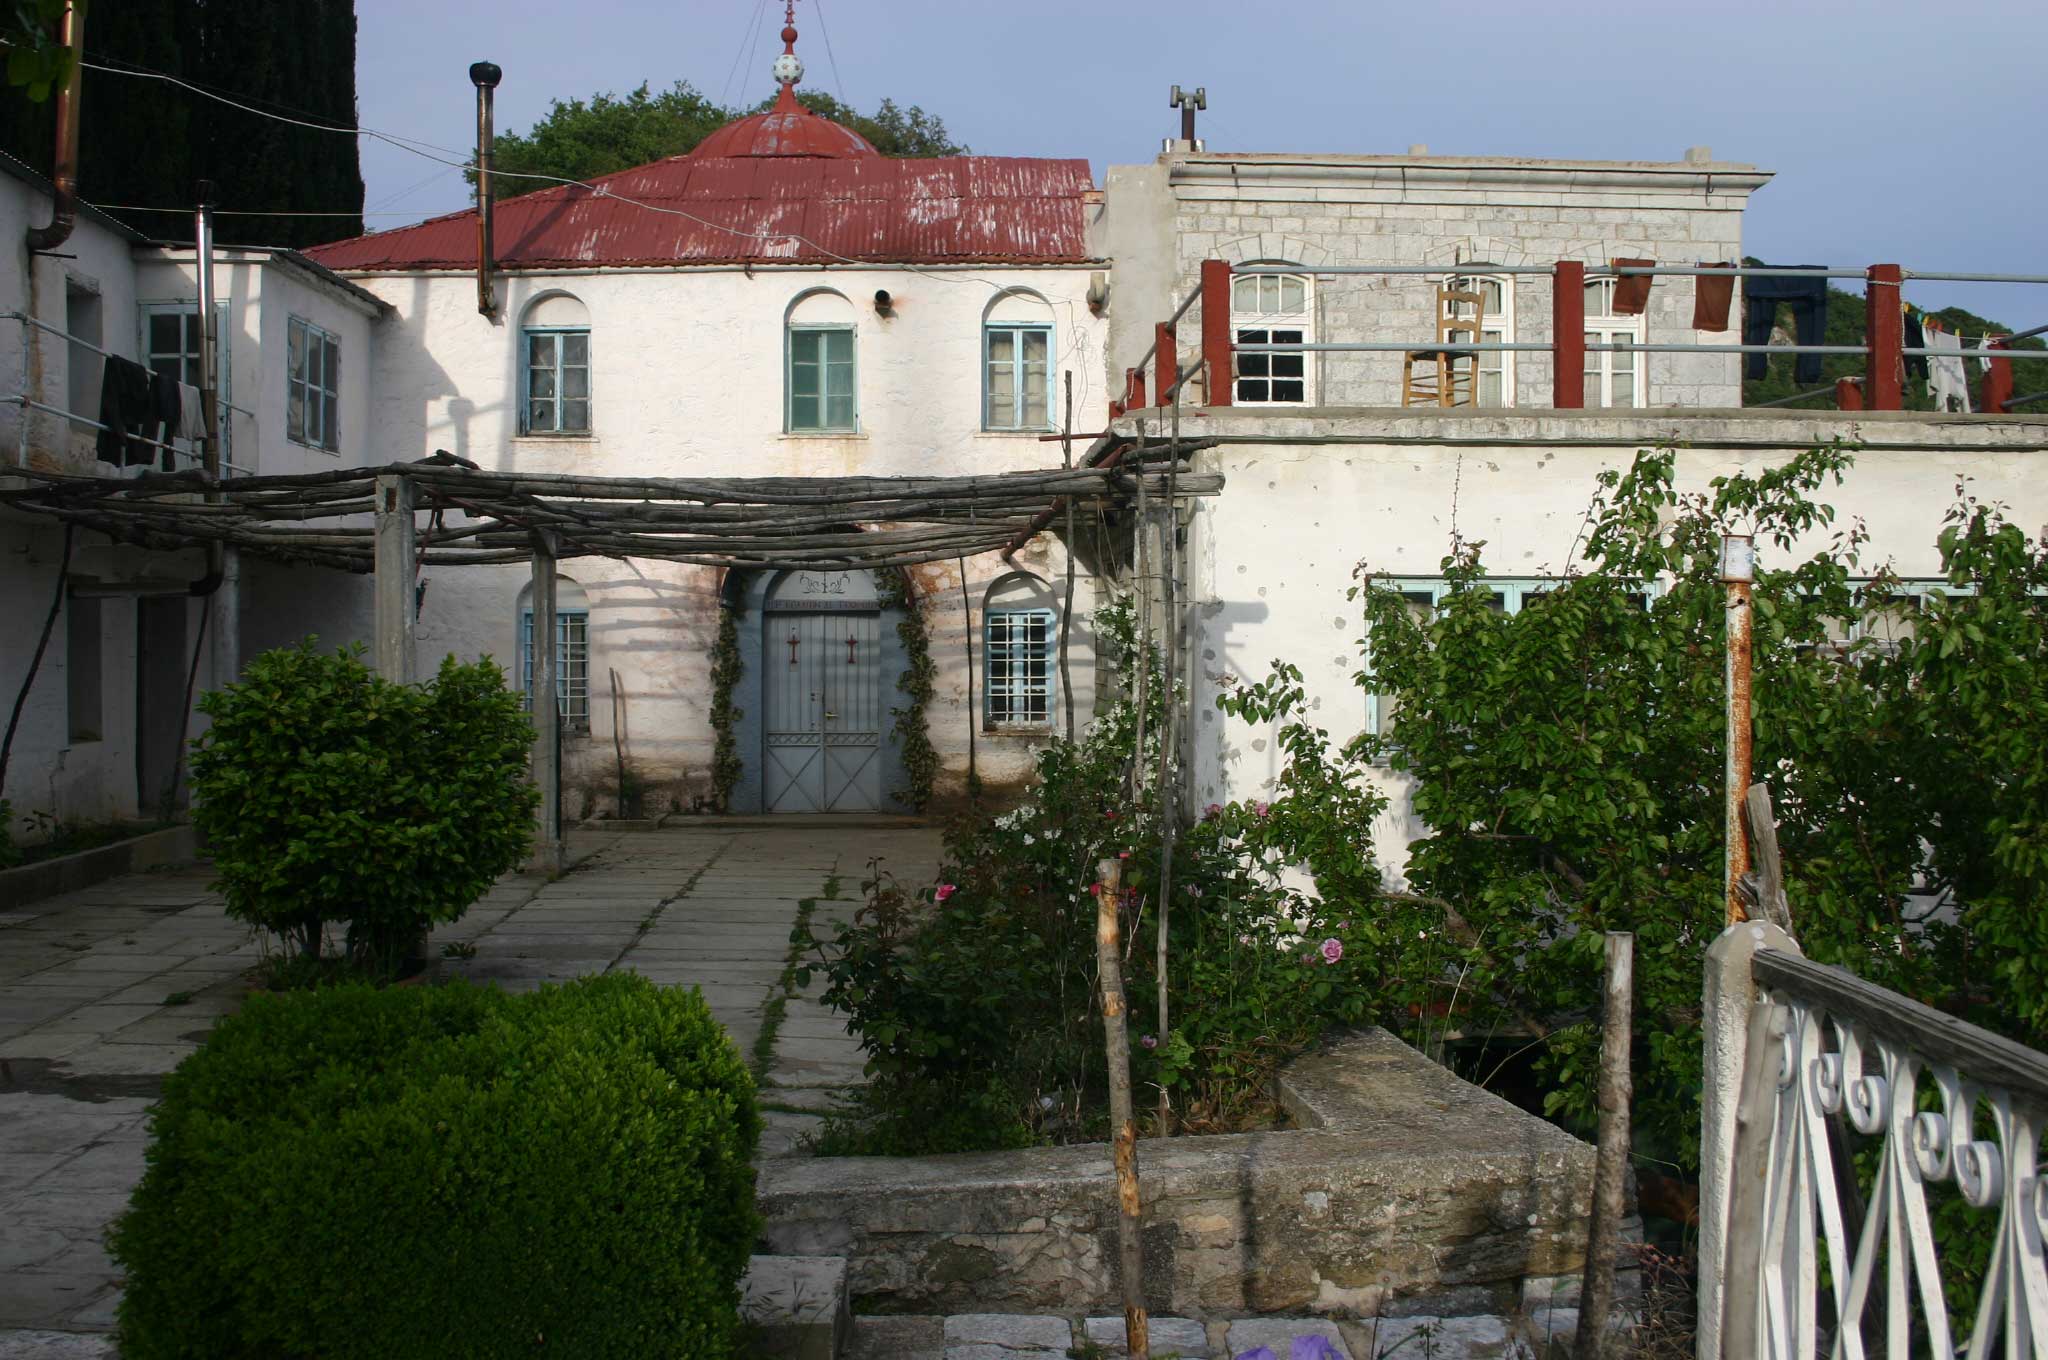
{"x":485,"y":76}
{"x":217,"y":565}
{"x":1738,"y":573}
{"x":64,"y":205}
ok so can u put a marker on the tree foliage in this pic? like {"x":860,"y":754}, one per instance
{"x":329,"y":794}
{"x":1568,"y":763}
{"x":147,"y":143}
{"x":581,"y":139}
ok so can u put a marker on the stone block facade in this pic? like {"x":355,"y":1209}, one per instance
{"x":1322,"y":211}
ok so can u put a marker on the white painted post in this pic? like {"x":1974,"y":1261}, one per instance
{"x":1727,"y":1001}
{"x":394,"y":590}
{"x":547,"y":718}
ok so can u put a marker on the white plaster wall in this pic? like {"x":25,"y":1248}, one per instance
{"x":687,"y":379}
{"x":1274,"y":554}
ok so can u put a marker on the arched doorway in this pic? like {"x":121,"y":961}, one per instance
{"x":822,"y":710}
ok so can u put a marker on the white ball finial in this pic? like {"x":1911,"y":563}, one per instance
{"x":788,"y":69}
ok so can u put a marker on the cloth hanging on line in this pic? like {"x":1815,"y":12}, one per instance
{"x":191,"y":413}
{"x":1983,"y":348}
{"x":1808,"y":296}
{"x":128,"y":411}
{"x":167,"y":412}
{"x":1947,"y":382}
{"x":1632,"y":291}
{"x":1711,"y":296}
{"x":1915,"y":336}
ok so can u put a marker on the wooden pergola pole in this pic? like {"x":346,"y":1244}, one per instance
{"x":547,"y":714}
{"x":395,"y":561}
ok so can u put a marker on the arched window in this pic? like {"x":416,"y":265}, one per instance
{"x":554,"y":371}
{"x":1020,"y":647}
{"x":572,"y":652}
{"x":1273,"y":309}
{"x":1016,"y":362}
{"x":1612,"y":379}
{"x":822,"y":380}
{"x":1497,"y":326}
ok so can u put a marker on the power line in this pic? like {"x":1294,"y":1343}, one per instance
{"x":248,"y":212}
{"x":739,"y":51}
{"x":819,"y":6}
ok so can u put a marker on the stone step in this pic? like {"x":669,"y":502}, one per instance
{"x":797,"y":1306}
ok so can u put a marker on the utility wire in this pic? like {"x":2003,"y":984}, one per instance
{"x":745,"y":43}
{"x":823,"y":28}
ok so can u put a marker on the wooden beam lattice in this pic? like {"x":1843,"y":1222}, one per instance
{"x":485,"y":517}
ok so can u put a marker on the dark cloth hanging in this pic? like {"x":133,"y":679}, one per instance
{"x":1632,"y":291}
{"x":128,"y":410}
{"x":1711,"y":296}
{"x":1808,"y":295}
{"x":163,"y":393}
{"x":1916,"y":338}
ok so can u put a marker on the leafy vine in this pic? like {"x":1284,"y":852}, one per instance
{"x":920,"y":760}
{"x":726,"y":670}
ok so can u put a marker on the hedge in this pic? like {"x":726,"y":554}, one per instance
{"x":354,"y":1172}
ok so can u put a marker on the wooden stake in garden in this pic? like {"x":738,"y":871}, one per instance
{"x":1610,"y":1168}
{"x":1123,"y":1121}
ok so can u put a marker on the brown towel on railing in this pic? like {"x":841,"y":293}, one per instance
{"x":163,"y":394}
{"x":128,"y":410}
{"x":1712,"y":295}
{"x":1632,"y":291}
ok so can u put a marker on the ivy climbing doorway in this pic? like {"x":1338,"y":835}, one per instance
{"x":821,"y":679}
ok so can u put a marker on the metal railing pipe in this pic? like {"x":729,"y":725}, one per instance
{"x":1977,"y":278}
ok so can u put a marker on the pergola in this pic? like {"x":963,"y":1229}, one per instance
{"x":390,"y":521}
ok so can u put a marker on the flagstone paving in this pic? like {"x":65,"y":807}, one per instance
{"x":105,"y":990}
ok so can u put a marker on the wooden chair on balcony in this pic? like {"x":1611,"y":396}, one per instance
{"x":1439,"y":377}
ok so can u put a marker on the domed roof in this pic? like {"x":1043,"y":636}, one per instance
{"x":788,"y":129}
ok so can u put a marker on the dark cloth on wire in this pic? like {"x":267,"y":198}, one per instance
{"x":128,"y":409}
{"x":1916,"y":338}
{"x":1632,"y":291}
{"x":163,"y":393}
{"x":1711,"y":296}
{"x":1808,"y":295}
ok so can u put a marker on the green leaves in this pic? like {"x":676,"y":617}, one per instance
{"x":328,"y":794}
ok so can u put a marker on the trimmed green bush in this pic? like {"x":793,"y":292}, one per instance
{"x":426,"y":1172}
{"x":327,"y":793}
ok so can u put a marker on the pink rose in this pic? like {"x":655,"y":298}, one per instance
{"x":1212,"y":812}
{"x":1150,"y":1041}
{"x":943,"y":891}
{"x":1333,"y":950}
{"x":1263,"y":808}
{"x":1095,"y":888}
{"x":1123,"y":854}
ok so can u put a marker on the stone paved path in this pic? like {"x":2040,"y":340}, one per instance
{"x":105,"y":990}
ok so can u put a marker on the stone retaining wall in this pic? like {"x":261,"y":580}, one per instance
{"x":1403,"y":1189}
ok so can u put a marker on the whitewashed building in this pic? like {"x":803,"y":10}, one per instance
{"x":784,"y":301}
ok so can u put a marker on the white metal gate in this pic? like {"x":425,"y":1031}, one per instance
{"x":821,"y":694}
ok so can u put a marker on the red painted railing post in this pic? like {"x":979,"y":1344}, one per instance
{"x":1168,"y":367}
{"x":1568,"y":336}
{"x":1134,"y":389}
{"x":1221,"y":376}
{"x":1848,"y":394}
{"x":1884,"y":329}
{"x":1997,"y":387}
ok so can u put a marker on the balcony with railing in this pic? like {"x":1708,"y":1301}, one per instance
{"x":68,"y":433}
{"x":1580,"y":353}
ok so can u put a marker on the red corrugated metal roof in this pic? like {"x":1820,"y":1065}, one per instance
{"x":788,"y":129}
{"x":740,"y":209}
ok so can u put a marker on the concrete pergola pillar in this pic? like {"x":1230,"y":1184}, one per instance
{"x":395,"y":561}
{"x":547,"y":716}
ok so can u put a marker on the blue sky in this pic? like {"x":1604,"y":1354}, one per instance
{"x":1907,"y":132}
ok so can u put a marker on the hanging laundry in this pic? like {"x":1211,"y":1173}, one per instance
{"x":1983,"y":348}
{"x":1947,"y":382}
{"x":167,"y":410}
{"x":1711,"y":296}
{"x":191,"y":413}
{"x":1632,"y":291}
{"x":127,"y":410}
{"x":1808,"y":295}
{"x":1915,"y":338}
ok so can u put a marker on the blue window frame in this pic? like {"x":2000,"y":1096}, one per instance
{"x":312,"y":386}
{"x":1016,"y":377}
{"x":1018,"y":650}
{"x":556,"y":378}
{"x":821,"y":380}
{"x":572,"y":665}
